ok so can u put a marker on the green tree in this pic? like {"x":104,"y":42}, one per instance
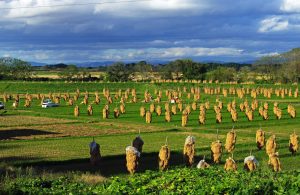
{"x":144,"y":69}
{"x":117,"y":72}
{"x":222,"y":74}
{"x":193,"y":70}
{"x":12,"y":68}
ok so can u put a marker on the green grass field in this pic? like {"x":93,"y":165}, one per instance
{"x":54,"y":140}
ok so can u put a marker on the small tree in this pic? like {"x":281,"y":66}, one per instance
{"x":117,"y":72}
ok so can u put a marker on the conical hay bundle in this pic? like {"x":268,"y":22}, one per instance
{"x":230,"y":141}
{"x":250,"y":115}
{"x":97,"y":100}
{"x":188,"y":109}
{"x":293,"y":143}
{"x":250,"y":163}
{"x":265,"y":115}
{"x":174,"y":109}
{"x":260,"y":139}
{"x":194,"y":106}
{"x":261,"y":111}
{"x":271,"y":145}
{"x":234,"y":116}
{"x":242,"y":107}
{"x":148,"y":117}
{"x":230,"y":165}
{"x":164,"y":157}
{"x":278,"y":114}
{"x":105,"y":113}
{"x":189,"y":150}
{"x":188,"y":95}
{"x":218,"y":117}
{"x":95,"y":153}
{"x":290,"y":93}
{"x":122,"y":108}
{"x":229,"y":107}
{"x":15,"y":104}
{"x":180,"y":107}
{"x":152,"y":108}
{"x":142,"y":111}
{"x":274,"y":161}
{"x":116,"y":113}
{"x":57,"y":100}
{"x":17,"y":97}
{"x":85,"y":101}
{"x":138,"y":143}
{"x":117,"y":97}
{"x":220,"y":105}
{"x":289,"y":108}
{"x":246,"y":104}
{"x":216,"y":109}
{"x":202,"y":119}
{"x":207,"y":105}
{"x":90,"y":110}
{"x":76,"y":111}
{"x":293,"y":113}
{"x":254,"y":105}
{"x":65,"y":97}
{"x":75,"y":97}
{"x":216,"y":151}
{"x":167,"y":107}
{"x":109,"y":100}
{"x":27,"y":103}
{"x":158,"y":110}
{"x":266,"y":106}
{"x":296,"y":93}
{"x":167,"y":116}
{"x":70,"y":102}
{"x":133,"y":92}
{"x":134,"y":99}
{"x":184,"y":119}
{"x":132,"y":159}
{"x":158,"y":99}
{"x":202,"y":108}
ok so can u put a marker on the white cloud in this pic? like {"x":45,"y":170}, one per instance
{"x":41,"y":56}
{"x":167,"y":53}
{"x":275,"y":23}
{"x":122,"y":54}
{"x":152,"y":8}
{"x":290,"y":6}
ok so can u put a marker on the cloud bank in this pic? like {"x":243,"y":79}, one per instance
{"x":124,"y":30}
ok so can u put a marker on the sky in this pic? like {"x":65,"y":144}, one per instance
{"x":67,"y":31}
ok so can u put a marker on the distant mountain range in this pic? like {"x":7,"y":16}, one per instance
{"x":107,"y":63}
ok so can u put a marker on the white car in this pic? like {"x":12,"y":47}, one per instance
{"x":48,"y":103}
{"x":1,"y":106}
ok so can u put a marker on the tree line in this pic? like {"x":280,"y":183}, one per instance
{"x":283,"y":68}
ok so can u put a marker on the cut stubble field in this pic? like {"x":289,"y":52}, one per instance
{"x":53,"y":139}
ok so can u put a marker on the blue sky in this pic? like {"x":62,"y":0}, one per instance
{"x":120,"y":30}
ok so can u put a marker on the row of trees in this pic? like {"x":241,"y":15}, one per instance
{"x":11,"y":68}
{"x":284,"y":68}
{"x":186,"y":69}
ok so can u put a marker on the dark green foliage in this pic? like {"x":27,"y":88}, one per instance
{"x":11,"y":68}
{"x":118,"y":72}
{"x":175,"y":181}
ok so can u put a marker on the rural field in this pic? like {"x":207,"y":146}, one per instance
{"x":48,"y":148}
